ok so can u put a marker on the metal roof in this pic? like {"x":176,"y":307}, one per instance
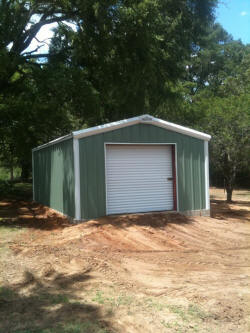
{"x":144,"y":119}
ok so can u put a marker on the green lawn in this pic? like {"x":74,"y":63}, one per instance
{"x":5,"y":173}
{"x":15,"y":190}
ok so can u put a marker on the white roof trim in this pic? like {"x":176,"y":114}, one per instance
{"x":145,"y":119}
{"x":55,"y":141}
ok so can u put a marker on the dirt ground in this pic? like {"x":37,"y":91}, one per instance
{"x":132,"y":273}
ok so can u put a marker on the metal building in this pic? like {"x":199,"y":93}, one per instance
{"x":140,"y":164}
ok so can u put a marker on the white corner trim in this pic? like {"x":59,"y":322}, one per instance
{"x":176,"y":178}
{"x":206,"y":174}
{"x":77,"y":179}
{"x":145,"y":119}
{"x":33,"y":177}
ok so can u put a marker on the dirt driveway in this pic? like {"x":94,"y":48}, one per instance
{"x":133,"y":273}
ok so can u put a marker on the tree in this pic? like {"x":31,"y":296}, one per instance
{"x":228,"y":120}
{"x":122,"y":58}
{"x":132,"y":52}
{"x":214,"y":97}
{"x":209,"y":65}
{"x":37,"y":114}
{"x":20,"y":22}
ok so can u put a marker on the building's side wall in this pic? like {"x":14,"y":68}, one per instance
{"x":53,"y":172}
{"x":190,"y":166}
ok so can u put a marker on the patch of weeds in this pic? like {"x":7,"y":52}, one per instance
{"x":157,"y":306}
{"x":33,"y":331}
{"x":179,"y":310}
{"x":123,"y":300}
{"x":190,"y":317}
{"x":166,"y":324}
{"x":196,"y":312}
{"x":173,"y":325}
{"x":99,"y":298}
{"x":112,"y":301}
{"x":154,"y":305}
{"x":6,"y":294}
{"x":54,"y":299}
{"x":81,"y":327}
{"x":85,"y":327}
{"x":75,"y":303}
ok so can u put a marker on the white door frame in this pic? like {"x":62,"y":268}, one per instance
{"x":141,"y":144}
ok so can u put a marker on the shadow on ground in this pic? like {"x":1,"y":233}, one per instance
{"x":154,"y":220}
{"x":30,"y":214}
{"x":223,"y":210}
{"x":49,"y":304}
{"x":14,"y":213}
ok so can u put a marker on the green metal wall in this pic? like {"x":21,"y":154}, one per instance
{"x":53,"y":172}
{"x":190,"y":166}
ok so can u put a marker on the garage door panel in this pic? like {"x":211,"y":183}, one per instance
{"x":137,"y":178}
{"x":138,"y":194}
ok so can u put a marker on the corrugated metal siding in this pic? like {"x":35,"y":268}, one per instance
{"x":190,"y":166}
{"x":137,"y":178}
{"x":54,"y":177}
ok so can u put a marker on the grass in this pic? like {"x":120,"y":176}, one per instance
{"x":188,"y":319}
{"x":196,"y":312}
{"x":44,"y":302}
{"x":5,"y":173}
{"x":6,"y":294}
{"x":220,"y":194}
{"x":80,"y":327}
{"x":54,"y":299}
{"x":17,"y":190}
{"x":191,"y":318}
{"x":100,"y":298}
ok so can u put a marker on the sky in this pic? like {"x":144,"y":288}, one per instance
{"x":44,"y":34}
{"x":234,"y":16}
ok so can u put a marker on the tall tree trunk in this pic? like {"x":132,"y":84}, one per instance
{"x":230,"y":173}
{"x":229,"y":193}
{"x":229,"y":185}
{"x":25,"y":173}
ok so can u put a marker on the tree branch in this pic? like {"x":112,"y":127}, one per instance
{"x":35,"y":56}
{"x":28,"y":53}
{"x":42,"y":41}
{"x":32,"y":32}
{"x":44,"y":55}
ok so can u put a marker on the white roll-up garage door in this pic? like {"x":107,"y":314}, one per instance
{"x":138,"y":178}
